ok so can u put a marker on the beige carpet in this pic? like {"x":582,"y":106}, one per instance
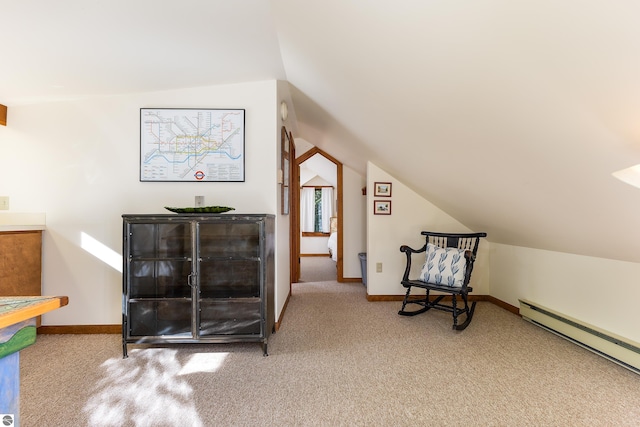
{"x":317,"y":269}
{"x":337,"y":360}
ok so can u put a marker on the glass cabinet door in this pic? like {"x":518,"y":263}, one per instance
{"x":160,"y":276}
{"x":229,"y":278}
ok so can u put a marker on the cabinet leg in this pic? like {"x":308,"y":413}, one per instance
{"x":124,"y":350}
{"x":264,"y":349}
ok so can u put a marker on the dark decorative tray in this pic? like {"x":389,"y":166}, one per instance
{"x":200,"y":210}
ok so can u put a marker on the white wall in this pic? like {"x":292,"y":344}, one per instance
{"x":602,"y":292}
{"x":78,"y":162}
{"x":283,"y":249}
{"x":314,"y":245}
{"x":354,"y":218}
{"x":410,"y":214}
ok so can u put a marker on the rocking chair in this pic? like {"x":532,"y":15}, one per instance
{"x":447,"y":269}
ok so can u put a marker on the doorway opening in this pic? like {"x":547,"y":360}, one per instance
{"x":296,"y":211}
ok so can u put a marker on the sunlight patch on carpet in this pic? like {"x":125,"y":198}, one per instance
{"x":144,"y":389}
{"x":203,"y":362}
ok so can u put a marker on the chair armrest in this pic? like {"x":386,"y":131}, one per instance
{"x":405,"y":248}
{"x":408,"y":252}
{"x":470,"y":257}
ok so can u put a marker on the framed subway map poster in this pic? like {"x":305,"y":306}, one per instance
{"x":191,"y":145}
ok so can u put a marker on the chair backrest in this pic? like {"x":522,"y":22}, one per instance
{"x":467,"y":241}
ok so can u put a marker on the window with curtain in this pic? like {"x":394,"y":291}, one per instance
{"x":316,"y":209}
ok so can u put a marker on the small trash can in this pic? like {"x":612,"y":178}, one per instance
{"x":363,"y":267}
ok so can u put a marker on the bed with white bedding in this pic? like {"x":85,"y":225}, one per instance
{"x":333,"y":245}
{"x":333,"y":239}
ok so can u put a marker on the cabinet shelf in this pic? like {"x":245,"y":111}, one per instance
{"x":138,"y":299}
{"x":231,"y":300}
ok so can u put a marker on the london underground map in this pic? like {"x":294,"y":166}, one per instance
{"x":191,"y":144}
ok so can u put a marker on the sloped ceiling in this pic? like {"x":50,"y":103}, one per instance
{"x":510,"y":116}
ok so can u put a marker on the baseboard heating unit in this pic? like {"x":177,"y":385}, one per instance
{"x":613,"y":347}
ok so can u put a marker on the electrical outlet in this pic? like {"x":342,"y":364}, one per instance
{"x":199,"y":201}
{"x":379,"y":267}
{"x":4,"y":203}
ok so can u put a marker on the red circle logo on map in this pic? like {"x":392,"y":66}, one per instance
{"x":199,"y":175}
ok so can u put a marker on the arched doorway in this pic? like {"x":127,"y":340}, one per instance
{"x":295,"y":217}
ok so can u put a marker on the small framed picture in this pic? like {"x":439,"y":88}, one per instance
{"x":382,"y":189}
{"x":382,"y":207}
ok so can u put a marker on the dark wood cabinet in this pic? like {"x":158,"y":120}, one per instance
{"x":198,"y":279}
